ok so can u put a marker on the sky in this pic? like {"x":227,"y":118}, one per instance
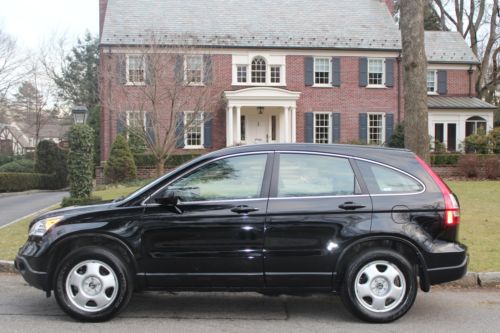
{"x":33,"y":22}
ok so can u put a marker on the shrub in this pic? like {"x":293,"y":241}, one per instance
{"x":16,"y":182}
{"x":6,"y":158}
{"x":397,"y":140}
{"x":148,"y":160}
{"x":492,"y":167}
{"x":80,"y":160}
{"x":478,"y":143}
{"x":50,"y":159}
{"x":69,"y":201}
{"x":495,"y":139}
{"x":21,"y":166}
{"x":469,"y":165}
{"x":445,"y":159}
{"x":120,"y":166}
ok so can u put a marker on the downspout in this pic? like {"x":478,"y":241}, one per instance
{"x":470,"y":71}
{"x":398,"y":60}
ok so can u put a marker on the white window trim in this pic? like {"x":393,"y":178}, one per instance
{"x":202,"y":136}
{"x":202,"y":76}
{"x":435,"y":92}
{"x":368,"y":126}
{"x":329,"y":114}
{"x":132,"y":83}
{"x":376,"y":86}
{"x":323,"y":85}
{"x":249,"y":82}
{"x":127,"y":120}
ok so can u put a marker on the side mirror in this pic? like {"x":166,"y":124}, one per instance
{"x":170,"y":198}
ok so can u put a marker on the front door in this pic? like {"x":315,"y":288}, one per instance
{"x":215,"y":236}
{"x":315,"y":206}
{"x":256,"y":128}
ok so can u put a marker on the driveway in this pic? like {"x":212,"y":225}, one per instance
{"x":25,"y":309}
{"x":13,"y":207}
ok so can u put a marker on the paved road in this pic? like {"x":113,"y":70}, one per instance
{"x":16,"y":206}
{"x":25,"y":309}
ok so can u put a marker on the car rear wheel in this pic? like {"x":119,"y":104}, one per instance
{"x":92,"y":284}
{"x":380,"y":286}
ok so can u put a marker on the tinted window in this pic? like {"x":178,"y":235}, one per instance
{"x":381,"y":179}
{"x":314,"y":175}
{"x":231,"y":178}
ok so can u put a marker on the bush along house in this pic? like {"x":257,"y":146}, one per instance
{"x":229,"y":73}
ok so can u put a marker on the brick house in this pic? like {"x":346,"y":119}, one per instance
{"x":287,"y":71}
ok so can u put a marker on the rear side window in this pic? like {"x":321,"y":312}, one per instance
{"x":303,"y":175}
{"x":383,"y":180}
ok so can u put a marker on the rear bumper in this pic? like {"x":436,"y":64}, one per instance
{"x":447,"y":274}
{"x":447,"y":262}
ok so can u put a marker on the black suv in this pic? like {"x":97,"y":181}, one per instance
{"x":370,"y":224}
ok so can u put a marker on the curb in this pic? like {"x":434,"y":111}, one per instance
{"x":7,"y":267}
{"x":12,"y":194}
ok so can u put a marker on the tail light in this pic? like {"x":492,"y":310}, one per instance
{"x":451,"y":207}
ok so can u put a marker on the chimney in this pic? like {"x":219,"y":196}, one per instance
{"x":390,"y":5}
{"x":103,"y":5}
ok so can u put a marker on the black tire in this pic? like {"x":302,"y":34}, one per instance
{"x":359,"y":306}
{"x":120,"y":274}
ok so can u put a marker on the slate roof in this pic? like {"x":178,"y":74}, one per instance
{"x":441,"y":102}
{"x":339,"y":24}
{"x":447,"y":47}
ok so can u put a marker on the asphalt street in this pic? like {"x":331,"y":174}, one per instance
{"x":25,"y":309}
{"x":13,"y":207}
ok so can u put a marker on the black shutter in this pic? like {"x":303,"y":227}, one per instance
{"x":442,"y":77}
{"x":179,"y":130}
{"x":389,"y":126}
{"x":389,"y":72}
{"x":121,"y":69}
{"x":121,"y":121}
{"x":207,"y":130}
{"x":336,"y":72}
{"x":309,"y":71}
{"x":150,"y":130}
{"x":336,"y":127}
{"x":363,"y":127}
{"x":363,"y":72}
{"x":149,"y":70}
{"x":309,"y":127}
{"x":179,"y":69}
{"x":207,"y":69}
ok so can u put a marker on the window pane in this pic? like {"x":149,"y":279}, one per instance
{"x":194,"y":65}
{"x":135,"y":69}
{"x":380,"y":179}
{"x":259,"y":70}
{"x":375,"y":71}
{"x":321,"y":71}
{"x":241,"y":74}
{"x":431,"y":84}
{"x":275,"y":74}
{"x":375,"y":129}
{"x":194,"y":128}
{"x":321,"y":128}
{"x":314,"y":175}
{"x":231,"y":178}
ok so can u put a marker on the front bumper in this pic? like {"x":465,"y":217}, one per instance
{"x":34,"y":278}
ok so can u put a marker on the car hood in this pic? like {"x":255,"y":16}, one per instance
{"x":71,"y":211}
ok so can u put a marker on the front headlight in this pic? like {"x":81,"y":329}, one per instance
{"x":41,"y":227}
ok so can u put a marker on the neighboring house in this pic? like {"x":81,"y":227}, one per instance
{"x":288,"y":70}
{"x":12,"y":140}
{"x":55,"y":131}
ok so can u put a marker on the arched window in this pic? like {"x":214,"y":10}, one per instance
{"x":474,"y":124}
{"x":259,"y":70}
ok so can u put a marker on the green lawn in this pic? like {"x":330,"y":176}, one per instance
{"x":479,"y":225}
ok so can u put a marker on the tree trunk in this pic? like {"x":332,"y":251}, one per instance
{"x":160,"y":167}
{"x":414,"y":77}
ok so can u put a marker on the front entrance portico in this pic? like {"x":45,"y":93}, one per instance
{"x":261,"y":115}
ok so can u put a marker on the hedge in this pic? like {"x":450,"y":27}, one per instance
{"x":16,"y":182}
{"x":148,"y":160}
{"x":445,"y":159}
{"x":20,"y":165}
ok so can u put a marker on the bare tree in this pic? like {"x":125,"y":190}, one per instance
{"x":414,"y":76}
{"x":476,"y":21}
{"x":10,"y":62}
{"x":150,"y":88}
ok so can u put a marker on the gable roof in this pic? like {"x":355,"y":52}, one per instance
{"x":339,"y":24}
{"x":448,"y":47}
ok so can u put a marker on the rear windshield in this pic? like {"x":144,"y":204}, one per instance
{"x":384,"y":180}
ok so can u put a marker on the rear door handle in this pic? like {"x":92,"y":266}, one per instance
{"x":351,"y":206}
{"x":244,"y":209}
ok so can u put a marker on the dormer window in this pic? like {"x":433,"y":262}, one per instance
{"x":259,"y":70}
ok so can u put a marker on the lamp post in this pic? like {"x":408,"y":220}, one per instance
{"x":80,"y":114}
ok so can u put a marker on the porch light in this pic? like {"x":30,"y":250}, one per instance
{"x":80,"y":114}
{"x":260,"y":109}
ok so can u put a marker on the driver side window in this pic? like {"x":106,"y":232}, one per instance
{"x":238,"y":177}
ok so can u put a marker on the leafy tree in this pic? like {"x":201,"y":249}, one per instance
{"x":50,"y":159}
{"x":120,"y":165}
{"x":80,"y":160}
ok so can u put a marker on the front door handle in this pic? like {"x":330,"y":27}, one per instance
{"x":351,"y":206}
{"x":244,"y":209}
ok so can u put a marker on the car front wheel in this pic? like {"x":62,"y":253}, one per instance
{"x":379,"y":286}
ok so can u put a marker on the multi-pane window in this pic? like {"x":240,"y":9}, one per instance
{"x":375,"y":72}
{"x":136,"y":124}
{"x":275,"y":74}
{"x":135,"y":119}
{"x":375,"y":128}
{"x":135,"y":69}
{"x":321,"y":71}
{"x":194,"y":69}
{"x":431,"y":81}
{"x":241,"y":74}
{"x":475,"y":125}
{"x":321,"y":127}
{"x":193,"y":122}
{"x":258,"y":70}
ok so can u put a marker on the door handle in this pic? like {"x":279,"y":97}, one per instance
{"x":351,"y":206}
{"x":243,"y":209}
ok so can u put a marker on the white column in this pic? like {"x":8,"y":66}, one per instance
{"x":294,"y":124}
{"x":229,"y":126}
{"x":287,"y":125}
{"x":238,"y":124}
